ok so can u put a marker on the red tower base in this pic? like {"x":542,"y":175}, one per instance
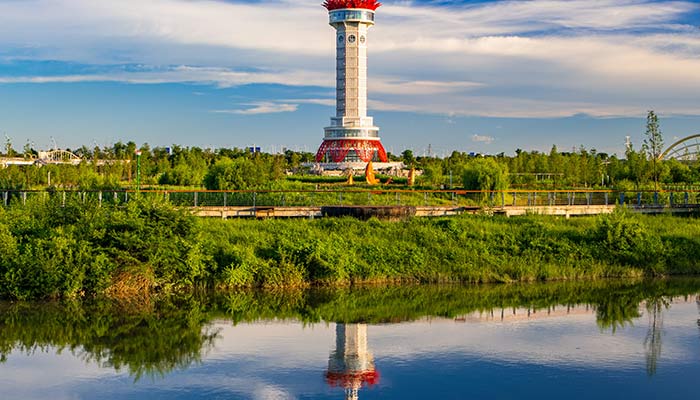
{"x":352,"y":379}
{"x":339,"y":149}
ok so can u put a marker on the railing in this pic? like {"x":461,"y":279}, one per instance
{"x":379,"y":197}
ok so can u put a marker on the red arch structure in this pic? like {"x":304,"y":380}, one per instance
{"x":338,"y":150}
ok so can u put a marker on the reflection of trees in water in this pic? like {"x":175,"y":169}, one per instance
{"x":156,"y":337}
{"x":151,"y":340}
{"x":652,"y":342}
{"x":616,"y":312}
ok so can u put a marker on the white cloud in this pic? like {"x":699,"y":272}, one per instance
{"x":221,"y":77}
{"x":525,"y":16}
{"x":54,"y":79}
{"x":321,"y":102}
{"x":264,"y":25}
{"x":505,"y":107}
{"x":420,"y":87}
{"x":262,"y":108}
{"x":270,"y":392}
{"x":483,"y":139}
{"x":480,"y":59}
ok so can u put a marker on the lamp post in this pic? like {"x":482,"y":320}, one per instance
{"x":138,"y":170}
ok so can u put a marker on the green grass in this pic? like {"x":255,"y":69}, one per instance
{"x":475,"y":249}
{"x":48,"y":250}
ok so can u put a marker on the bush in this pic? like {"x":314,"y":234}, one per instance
{"x":49,"y":250}
{"x":239,"y":174}
{"x":625,"y":239}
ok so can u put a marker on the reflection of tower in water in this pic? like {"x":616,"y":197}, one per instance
{"x":351,"y":365}
{"x":697,"y":301}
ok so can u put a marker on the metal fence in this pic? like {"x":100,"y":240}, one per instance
{"x":317,"y":198}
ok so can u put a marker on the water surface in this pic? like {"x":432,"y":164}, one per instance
{"x":577,"y":340}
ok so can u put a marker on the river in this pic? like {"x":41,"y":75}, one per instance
{"x":543,"y":341}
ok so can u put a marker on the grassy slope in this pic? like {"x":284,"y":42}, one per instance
{"x":471,"y":249}
{"x":47,"y":250}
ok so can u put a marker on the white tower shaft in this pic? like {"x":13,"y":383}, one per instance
{"x":351,"y":72}
{"x":351,"y":353}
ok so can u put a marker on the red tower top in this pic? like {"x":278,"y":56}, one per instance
{"x":339,"y":4}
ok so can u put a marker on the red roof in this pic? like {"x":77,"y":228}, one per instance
{"x":338,"y":4}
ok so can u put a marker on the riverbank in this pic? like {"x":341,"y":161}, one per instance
{"x":84,"y":249}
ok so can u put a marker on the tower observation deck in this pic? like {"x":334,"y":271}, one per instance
{"x":351,"y":136}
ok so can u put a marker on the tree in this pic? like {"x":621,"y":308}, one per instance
{"x":485,"y":174}
{"x":408,"y":158}
{"x":556,"y":163}
{"x":432,"y":173}
{"x":188,"y":167}
{"x":653,"y":144}
{"x":9,"y":151}
{"x":636,"y":166}
{"x":238,"y":174}
{"x":293,"y":158}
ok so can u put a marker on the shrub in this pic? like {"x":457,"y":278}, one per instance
{"x":625,"y":239}
{"x":239,"y":174}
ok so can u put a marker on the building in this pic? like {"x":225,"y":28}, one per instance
{"x":352,"y":137}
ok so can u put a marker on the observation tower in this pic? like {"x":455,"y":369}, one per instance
{"x":352,"y":136}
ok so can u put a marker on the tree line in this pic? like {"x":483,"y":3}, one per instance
{"x":115,"y":167}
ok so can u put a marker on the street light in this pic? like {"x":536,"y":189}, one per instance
{"x":138,"y":170}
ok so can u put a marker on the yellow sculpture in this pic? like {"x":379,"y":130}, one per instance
{"x":412,"y":177}
{"x":351,"y":180}
{"x":369,"y":175}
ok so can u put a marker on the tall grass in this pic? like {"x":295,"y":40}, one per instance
{"x":476,"y":249}
{"x":84,"y":249}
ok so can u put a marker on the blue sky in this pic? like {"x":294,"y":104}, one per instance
{"x":486,"y":76}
